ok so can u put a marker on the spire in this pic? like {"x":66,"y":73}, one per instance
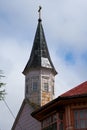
{"x":40,"y":57}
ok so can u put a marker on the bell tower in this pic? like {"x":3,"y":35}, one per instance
{"x":39,"y":71}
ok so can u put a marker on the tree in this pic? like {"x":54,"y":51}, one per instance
{"x":2,"y":90}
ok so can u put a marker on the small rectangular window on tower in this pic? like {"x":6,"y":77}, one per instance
{"x":26,"y":89}
{"x":34,"y":87}
{"x":45,"y":87}
{"x":53,"y":90}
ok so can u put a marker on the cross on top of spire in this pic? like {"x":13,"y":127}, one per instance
{"x":39,"y":11}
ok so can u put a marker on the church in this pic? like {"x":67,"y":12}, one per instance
{"x":39,"y":110}
{"x":39,"y":82}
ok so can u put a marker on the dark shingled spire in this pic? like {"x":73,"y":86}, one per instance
{"x":39,"y":57}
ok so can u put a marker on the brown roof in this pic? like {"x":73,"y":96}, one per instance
{"x":78,"y":90}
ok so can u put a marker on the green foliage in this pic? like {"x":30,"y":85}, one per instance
{"x":2,"y":90}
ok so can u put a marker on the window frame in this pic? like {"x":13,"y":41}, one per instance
{"x":34,"y":86}
{"x":53,"y":121}
{"x":52,"y":88}
{"x":46,"y":86}
{"x":78,"y":119}
{"x":49,"y":121}
{"x":27,"y":89}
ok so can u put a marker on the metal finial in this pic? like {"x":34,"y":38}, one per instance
{"x":39,"y":12}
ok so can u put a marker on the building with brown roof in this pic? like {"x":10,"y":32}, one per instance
{"x":66,"y":112}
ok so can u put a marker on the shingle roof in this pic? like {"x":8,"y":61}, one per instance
{"x":78,"y":90}
{"x":40,"y":56}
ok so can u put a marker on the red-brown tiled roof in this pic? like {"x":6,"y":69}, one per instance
{"x":78,"y":90}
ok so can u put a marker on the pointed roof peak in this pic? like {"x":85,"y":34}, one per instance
{"x":40,"y":56}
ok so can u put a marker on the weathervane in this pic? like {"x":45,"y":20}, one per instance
{"x":39,"y":12}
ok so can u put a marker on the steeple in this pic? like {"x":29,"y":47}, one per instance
{"x":40,"y":56}
{"x":39,"y":71}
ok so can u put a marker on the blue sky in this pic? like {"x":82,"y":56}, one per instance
{"x":65,"y":27}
